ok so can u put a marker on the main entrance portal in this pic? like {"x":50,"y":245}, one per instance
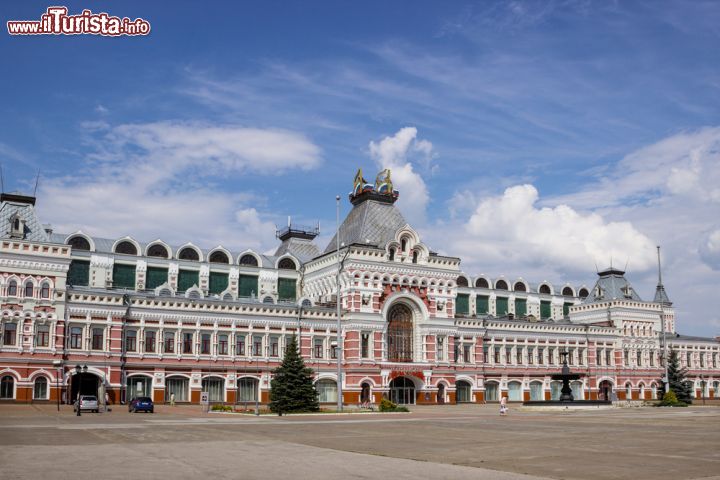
{"x":85,"y":384}
{"x":402,"y":391}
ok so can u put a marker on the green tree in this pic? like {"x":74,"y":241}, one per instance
{"x":292,"y":389}
{"x":677,"y":379}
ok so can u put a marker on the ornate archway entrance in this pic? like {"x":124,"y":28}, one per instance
{"x":85,"y":383}
{"x":402,"y":391}
{"x":400,"y":333}
{"x":605,"y":390}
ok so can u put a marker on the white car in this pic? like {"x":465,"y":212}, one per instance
{"x":87,"y":403}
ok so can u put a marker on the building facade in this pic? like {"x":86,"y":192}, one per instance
{"x":151,"y":319}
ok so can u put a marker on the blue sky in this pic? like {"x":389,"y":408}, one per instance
{"x":532,"y":139}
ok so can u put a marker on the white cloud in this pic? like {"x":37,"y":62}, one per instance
{"x":710,"y":249}
{"x":395,"y":153}
{"x":159,"y":180}
{"x":510,"y":229}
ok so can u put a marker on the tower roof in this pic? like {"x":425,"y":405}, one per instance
{"x":370,"y":222}
{"x":612,"y":285}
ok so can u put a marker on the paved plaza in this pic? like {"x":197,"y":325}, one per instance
{"x":451,"y":442}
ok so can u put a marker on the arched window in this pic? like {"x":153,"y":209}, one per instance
{"x":583,"y":293}
{"x":247,"y":389}
{"x":218,"y":257}
{"x":40,"y":389}
{"x":268,"y":300}
{"x":545,"y":289}
{"x":286,"y":264}
{"x":79,"y":243}
{"x":327,"y":390}
{"x":157,"y":250}
{"x":248,"y":260}
{"x":463,"y":392}
{"x":126,"y":248}
{"x":519,"y":287}
{"x":16,"y":224}
{"x":462,"y":281}
{"x":12,"y":288}
{"x":7,"y":388}
{"x":306,"y":303}
{"x":567,"y":292}
{"x":188,"y":253}
{"x":403,"y":244}
{"x":400,"y":334}
{"x":392,"y":255}
{"x":501,"y":285}
{"x":415,"y":256}
{"x":29,"y":290}
{"x":45,"y":290}
{"x":481,"y":283}
{"x":402,"y":391}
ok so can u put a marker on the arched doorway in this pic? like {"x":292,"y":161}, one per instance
{"x":515,"y":392}
{"x":365,"y":392}
{"x":492,"y":392}
{"x":536,"y":391}
{"x":179,"y":386}
{"x":215,"y":386}
{"x":441,"y":394}
{"x":605,"y":391}
{"x":463,"y":392}
{"x":327,"y":390}
{"x":402,"y":391}
{"x":84,"y":384}
{"x":139,"y":386}
{"x":400,"y":334}
{"x":247,"y":390}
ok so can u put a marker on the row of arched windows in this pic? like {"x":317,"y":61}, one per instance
{"x":40,"y":388}
{"x":28,"y":289}
{"x":188,"y":253}
{"x":521,"y":287}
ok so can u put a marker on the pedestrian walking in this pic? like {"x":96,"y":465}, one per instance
{"x":503,"y":406}
{"x":172,"y":399}
{"x":107,"y":401}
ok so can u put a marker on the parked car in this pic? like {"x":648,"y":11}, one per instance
{"x":144,"y":404}
{"x":87,"y":403}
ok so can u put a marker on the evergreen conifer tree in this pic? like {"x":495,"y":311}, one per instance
{"x":677,"y":380}
{"x":292,"y":388}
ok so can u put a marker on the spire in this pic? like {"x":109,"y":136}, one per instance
{"x":660,"y":294}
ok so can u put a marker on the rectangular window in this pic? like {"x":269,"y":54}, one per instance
{"x":540,"y":353}
{"x":131,"y":341}
{"x":462,"y":304}
{"x":9,"y":334}
{"x":531,"y":355}
{"x":519,"y":355}
{"x":652,"y":358}
{"x":205,"y":344}
{"x":545,"y":309}
{"x":486,"y":352}
{"x":482,"y":304}
{"x":466,"y":353}
{"x":274,"y":346}
{"x":702,"y":360}
{"x":42,"y":337}
{"x":714,"y":358}
{"x":240,"y":345}
{"x":169,"y":342}
{"x":520,"y":307}
{"x":571,"y":356}
{"x":318,"y":347}
{"x":75,"y":337}
{"x":257,"y":346}
{"x":186,"y":279}
{"x":365,"y":345}
{"x":124,"y":276}
{"x":566,"y":308}
{"x":440,"y":348}
{"x":154,"y":277}
{"x":98,"y":337}
{"x":551,"y":355}
{"x":286,"y":289}
{"x":627,"y":357}
{"x":501,"y":306}
{"x":149,"y":341}
{"x":608,"y":357}
{"x":222,"y":344}
{"x":497,"y":356}
{"x":187,"y":342}
{"x":639,"y":358}
{"x":79,"y":273}
{"x":581,"y":356}
{"x":333,"y":351}
{"x":248,"y":286}
{"x":218,"y":282}
{"x":508,"y":355}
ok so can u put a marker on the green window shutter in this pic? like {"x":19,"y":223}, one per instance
{"x":286,"y":288}
{"x":79,"y":273}
{"x":501,"y":304}
{"x":218,"y":282}
{"x":482,"y":304}
{"x":155,"y":277}
{"x":187,"y":278}
{"x":123,"y":276}
{"x":462,"y":305}
{"x":520,"y":307}
{"x":545,"y":310}
{"x":566,"y":308}
{"x":248,"y":285}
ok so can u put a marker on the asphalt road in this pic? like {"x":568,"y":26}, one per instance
{"x":453,"y":442}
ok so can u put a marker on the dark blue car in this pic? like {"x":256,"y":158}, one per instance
{"x":144,"y":404}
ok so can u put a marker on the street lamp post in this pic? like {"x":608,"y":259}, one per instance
{"x":58,"y":365}
{"x":338,"y":349}
{"x":79,"y":371}
{"x":702,"y":388}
